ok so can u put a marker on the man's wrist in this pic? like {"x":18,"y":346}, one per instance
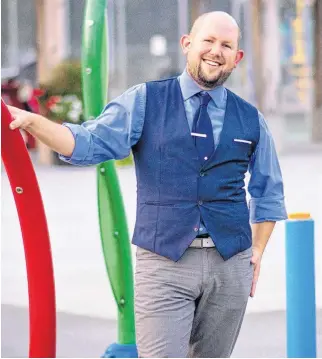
{"x":34,"y":122}
{"x":257,"y":247}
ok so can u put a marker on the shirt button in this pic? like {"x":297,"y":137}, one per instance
{"x":200,"y":202}
{"x":201,"y":228}
{"x":195,"y":229}
{"x":205,"y":158}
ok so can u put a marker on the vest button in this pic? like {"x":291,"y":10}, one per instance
{"x":195,"y":229}
{"x":200,"y":202}
{"x":202,"y":174}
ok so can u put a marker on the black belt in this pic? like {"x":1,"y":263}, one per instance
{"x":203,"y":236}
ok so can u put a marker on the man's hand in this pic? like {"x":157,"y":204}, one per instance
{"x":59,"y":138}
{"x":256,"y":260}
{"x":21,"y":119}
{"x":261,"y":234}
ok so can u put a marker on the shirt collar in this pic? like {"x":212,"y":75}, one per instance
{"x":190,"y":88}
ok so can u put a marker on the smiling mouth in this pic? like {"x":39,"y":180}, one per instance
{"x":212,"y":63}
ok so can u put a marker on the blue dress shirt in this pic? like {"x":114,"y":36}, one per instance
{"x":120,"y":125}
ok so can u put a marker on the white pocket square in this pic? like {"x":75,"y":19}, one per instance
{"x":198,"y":134}
{"x":243,"y":141}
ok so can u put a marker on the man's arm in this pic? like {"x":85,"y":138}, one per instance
{"x":52,"y":134}
{"x":110,"y":136}
{"x":267,"y":196}
{"x":266,"y":188}
{"x":261,"y":233}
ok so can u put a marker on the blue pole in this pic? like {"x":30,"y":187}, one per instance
{"x":300,"y":287}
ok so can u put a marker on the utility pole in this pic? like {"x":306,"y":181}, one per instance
{"x":317,"y":73}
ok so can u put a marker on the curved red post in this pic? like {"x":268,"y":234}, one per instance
{"x":24,"y":185}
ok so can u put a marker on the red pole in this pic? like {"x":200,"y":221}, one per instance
{"x":41,"y":287}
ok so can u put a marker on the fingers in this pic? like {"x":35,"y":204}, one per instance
{"x":16,"y":123}
{"x":255,"y":279}
{"x":20,"y":118}
{"x":254,"y":259}
{"x":252,"y":292}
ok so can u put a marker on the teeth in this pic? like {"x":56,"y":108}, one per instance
{"x":212,"y":63}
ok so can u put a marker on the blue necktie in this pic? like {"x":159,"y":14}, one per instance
{"x":202,"y":126}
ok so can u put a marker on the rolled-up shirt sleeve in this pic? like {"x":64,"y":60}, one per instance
{"x":266,"y":183}
{"x":112,"y":134}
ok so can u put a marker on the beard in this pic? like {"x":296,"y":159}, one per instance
{"x":205,"y":81}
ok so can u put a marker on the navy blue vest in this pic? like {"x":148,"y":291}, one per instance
{"x":175,"y":191}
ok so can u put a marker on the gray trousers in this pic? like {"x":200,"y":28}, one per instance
{"x":193,"y":307}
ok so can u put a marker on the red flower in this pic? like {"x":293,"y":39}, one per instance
{"x":52,"y":101}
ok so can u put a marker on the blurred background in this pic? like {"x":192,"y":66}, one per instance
{"x":281,"y":72}
{"x":40,"y":71}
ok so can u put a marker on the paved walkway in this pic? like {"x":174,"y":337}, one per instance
{"x":263,"y":335}
{"x":82,"y":287}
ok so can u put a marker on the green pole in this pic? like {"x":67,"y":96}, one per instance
{"x":112,"y":218}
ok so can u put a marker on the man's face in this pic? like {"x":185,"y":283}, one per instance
{"x":212,"y":53}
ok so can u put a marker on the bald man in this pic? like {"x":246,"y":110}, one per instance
{"x":193,"y":140}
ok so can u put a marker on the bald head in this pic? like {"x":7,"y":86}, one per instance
{"x":223,"y":19}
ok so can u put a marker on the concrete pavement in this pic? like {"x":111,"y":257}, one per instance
{"x":82,"y":287}
{"x":262,"y":335}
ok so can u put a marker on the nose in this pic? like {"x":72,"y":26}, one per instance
{"x":216,"y":49}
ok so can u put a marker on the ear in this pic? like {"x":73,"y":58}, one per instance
{"x":239,"y":56}
{"x":185,"y":43}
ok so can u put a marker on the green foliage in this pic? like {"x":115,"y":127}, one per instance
{"x":62,"y":100}
{"x":65,"y":79}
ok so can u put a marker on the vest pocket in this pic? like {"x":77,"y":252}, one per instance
{"x":242,"y":148}
{"x":156,"y":203}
